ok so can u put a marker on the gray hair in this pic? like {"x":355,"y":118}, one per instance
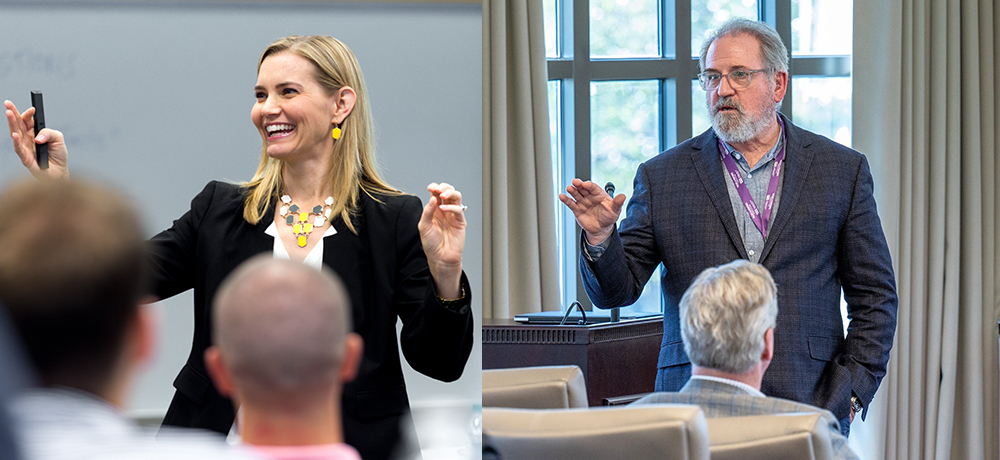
{"x":725,"y":313}
{"x":772,"y":49}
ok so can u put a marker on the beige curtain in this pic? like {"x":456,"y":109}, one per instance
{"x":926,"y":113}
{"x":519,"y":236}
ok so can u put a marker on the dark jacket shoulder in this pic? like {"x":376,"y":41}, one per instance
{"x":225,"y":191}
{"x":385,"y":202}
{"x":381,"y":209}
{"x":219,"y":196}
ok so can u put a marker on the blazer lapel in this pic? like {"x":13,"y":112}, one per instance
{"x":350,"y":256}
{"x":259,"y":241}
{"x":798,"y":160}
{"x":705,"y":155}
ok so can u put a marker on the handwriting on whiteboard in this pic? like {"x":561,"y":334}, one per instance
{"x":32,"y":62}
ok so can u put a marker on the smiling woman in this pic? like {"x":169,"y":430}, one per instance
{"x":395,"y":260}
{"x":299,"y":121}
{"x":292,"y":108}
{"x":301,"y":101}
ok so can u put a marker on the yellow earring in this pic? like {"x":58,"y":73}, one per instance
{"x":336,"y":132}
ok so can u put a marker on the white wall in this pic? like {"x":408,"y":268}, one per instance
{"x":155,"y":98}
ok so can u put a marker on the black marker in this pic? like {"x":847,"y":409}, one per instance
{"x":609,"y":187}
{"x":41,"y":150}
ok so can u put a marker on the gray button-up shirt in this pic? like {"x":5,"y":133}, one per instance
{"x":757,"y":180}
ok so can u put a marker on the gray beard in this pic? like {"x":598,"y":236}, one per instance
{"x":739,"y":127}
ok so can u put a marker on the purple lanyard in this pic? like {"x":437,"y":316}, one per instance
{"x":759,"y":219}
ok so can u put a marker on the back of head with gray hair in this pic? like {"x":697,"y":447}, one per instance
{"x":280,"y":327}
{"x":772,"y":50}
{"x":725,"y":313}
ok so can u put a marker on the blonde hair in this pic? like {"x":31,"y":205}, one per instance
{"x":354,"y":167}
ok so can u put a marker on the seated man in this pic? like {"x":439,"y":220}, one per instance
{"x":283,"y":350}
{"x":727,"y":317}
{"x":72,"y":276}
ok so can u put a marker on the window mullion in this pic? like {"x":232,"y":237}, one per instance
{"x":675,"y":68}
{"x":685,"y":71}
{"x":578,"y":157}
{"x":778,"y":13}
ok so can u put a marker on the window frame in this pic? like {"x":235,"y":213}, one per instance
{"x":575,"y":70}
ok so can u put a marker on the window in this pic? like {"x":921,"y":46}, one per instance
{"x":623,"y":87}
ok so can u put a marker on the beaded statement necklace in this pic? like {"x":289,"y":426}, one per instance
{"x":299,"y":219}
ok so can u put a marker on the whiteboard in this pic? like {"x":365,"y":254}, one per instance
{"x":155,"y":98}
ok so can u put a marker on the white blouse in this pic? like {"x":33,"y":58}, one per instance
{"x":315,"y":257}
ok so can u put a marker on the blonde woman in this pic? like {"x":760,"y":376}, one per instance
{"x":316,"y":197}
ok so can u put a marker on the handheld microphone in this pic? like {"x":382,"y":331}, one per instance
{"x":41,"y":150}
{"x":615,"y":312}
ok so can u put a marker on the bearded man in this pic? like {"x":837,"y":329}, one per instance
{"x":755,"y":187}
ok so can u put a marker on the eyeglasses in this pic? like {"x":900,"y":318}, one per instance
{"x":738,"y":79}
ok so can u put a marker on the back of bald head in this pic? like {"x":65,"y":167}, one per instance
{"x":280,"y":327}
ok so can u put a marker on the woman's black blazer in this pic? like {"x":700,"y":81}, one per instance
{"x":385,"y":270}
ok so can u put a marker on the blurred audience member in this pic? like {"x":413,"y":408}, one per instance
{"x":16,"y":376}
{"x":283,"y":350}
{"x":72,"y":275}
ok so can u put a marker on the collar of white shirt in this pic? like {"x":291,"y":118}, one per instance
{"x":747,"y":388}
{"x":315,"y":257}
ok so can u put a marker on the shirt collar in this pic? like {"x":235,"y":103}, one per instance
{"x":313,"y":259}
{"x":747,"y":388}
{"x":773,"y":152}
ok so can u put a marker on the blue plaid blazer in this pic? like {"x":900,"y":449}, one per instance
{"x":826,"y":235}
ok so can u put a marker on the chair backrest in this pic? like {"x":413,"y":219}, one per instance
{"x":790,"y":436}
{"x":655,"y":431}
{"x":544,"y":387}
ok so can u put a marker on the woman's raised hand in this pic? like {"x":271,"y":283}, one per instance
{"x":22,"y":132}
{"x":442,"y":234}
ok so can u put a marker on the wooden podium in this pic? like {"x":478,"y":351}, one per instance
{"x":617,"y":359}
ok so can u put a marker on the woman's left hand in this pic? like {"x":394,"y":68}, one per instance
{"x":442,"y":234}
